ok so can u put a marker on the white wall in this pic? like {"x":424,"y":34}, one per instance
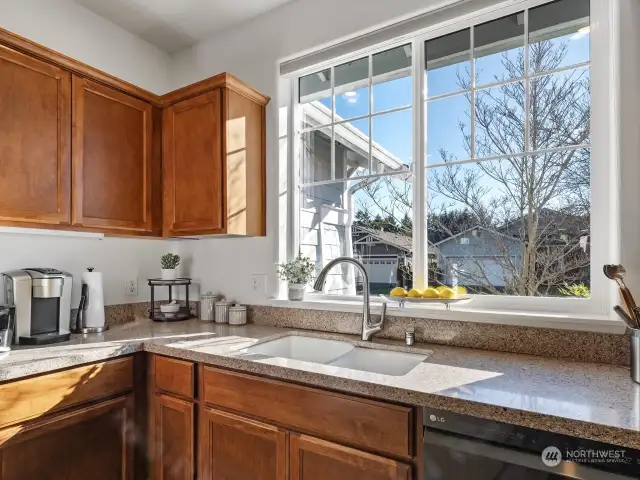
{"x":119,"y":259}
{"x":72,"y":30}
{"x":78,"y":33}
{"x":253,"y":52}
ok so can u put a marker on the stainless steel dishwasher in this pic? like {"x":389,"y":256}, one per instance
{"x":459,"y":447}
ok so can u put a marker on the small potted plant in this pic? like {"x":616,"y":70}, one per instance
{"x":297,"y":273}
{"x":169,"y":262}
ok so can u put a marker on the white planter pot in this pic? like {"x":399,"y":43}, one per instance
{"x":169,"y":274}
{"x":296,"y":291}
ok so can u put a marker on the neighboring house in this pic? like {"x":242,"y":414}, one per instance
{"x":386,"y":256}
{"x":478,"y":257}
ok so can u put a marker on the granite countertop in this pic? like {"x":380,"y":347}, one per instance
{"x":588,"y":400}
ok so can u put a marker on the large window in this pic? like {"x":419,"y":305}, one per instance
{"x":463,"y":157}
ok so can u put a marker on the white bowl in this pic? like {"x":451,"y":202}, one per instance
{"x":170,"y":308}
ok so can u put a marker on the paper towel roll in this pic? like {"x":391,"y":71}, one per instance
{"x":94,"y":308}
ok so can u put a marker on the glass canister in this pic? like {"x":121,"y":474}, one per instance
{"x":207,"y":304}
{"x":222,"y":311}
{"x":238,"y":315}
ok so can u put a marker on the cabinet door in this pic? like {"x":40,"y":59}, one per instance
{"x":173,"y":430}
{"x":314,"y":459}
{"x":193,"y":166}
{"x":35,"y":135}
{"x":237,"y":448}
{"x":90,"y":442}
{"x":112,"y":159}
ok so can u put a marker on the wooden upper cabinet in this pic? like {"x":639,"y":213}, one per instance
{"x":193,"y":166}
{"x":35,"y":134}
{"x":237,"y":448}
{"x":113,"y":160}
{"x":244,"y":123}
{"x":214,"y":160}
{"x":315,"y":459}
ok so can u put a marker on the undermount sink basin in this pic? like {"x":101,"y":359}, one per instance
{"x":339,"y":354}
{"x":307,"y":349}
{"x":385,"y":362}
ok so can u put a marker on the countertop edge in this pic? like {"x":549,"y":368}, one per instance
{"x":541,"y":421}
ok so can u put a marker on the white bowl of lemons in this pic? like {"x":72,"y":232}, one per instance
{"x":440,"y":294}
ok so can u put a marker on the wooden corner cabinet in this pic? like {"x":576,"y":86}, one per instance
{"x":113,"y":159}
{"x":214,"y":162}
{"x":81,"y":150}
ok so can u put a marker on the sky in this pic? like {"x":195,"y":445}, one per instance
{"x":393,"y":131}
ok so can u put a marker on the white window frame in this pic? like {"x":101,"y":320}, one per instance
{"x":594,"y":312}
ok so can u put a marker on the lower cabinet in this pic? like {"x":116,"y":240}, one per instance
{"x":174,"y":442}
{"x":237,"y":448}
{"x":89,"y":442}
{"x":315,"y":459}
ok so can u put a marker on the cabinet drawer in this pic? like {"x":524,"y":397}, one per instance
{"x":174,"y":376}
{"x":350,"y":420}
{"x":25,"y":399}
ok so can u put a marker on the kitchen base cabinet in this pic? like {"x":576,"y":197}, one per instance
{"x":315,"y":459}
{"x":89,"y":442}
{"x":174,"y":423}
{"x":237,"y":448}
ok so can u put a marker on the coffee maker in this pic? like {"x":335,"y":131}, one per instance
{"x":41,"y":298}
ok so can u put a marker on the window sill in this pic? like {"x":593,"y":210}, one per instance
{"x":589,"y":323}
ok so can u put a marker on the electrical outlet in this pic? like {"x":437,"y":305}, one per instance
{"x":131,"y":287}
{"x":259,"y":282}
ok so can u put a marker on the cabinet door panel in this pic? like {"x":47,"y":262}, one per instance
{"x":90,"y":442}
{"x":237,"y":448}
{"x":112,"y":158}
{"x":193,"y":166}
{"x":314,"y":459}
{"x":35,"y":134}
{"x":173,"y":438}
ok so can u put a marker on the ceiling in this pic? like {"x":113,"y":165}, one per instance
{"x":173,"y":25}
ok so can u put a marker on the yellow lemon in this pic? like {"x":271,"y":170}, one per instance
{"x":398,"y":292}
{"x":460,"y":290}
{"x":430,"y":293}
{"x":440,"y":287}
{"x":414,"y":293}
{"x":447,"y":292}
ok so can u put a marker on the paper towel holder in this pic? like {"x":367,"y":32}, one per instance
{"x":80,"y":315}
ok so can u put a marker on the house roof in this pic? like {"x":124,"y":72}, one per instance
{"x":318,"y":114}
{"x":550,"y":220}
{"x":398,"y":240}
{"x":477,"y":227}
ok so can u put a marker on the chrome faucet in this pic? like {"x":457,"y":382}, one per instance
{"x":369,"y":329}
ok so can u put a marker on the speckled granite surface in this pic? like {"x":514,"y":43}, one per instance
{"x":589,"y":400}
{"x":128,"y":312}
{"x":546,"y":342}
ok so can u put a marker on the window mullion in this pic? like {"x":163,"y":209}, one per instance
{"x":472,"y":95}
{"x":420,"y":247}
{"x":527,"y":86}
{"x":294,"y":178}
{"x":333,"y":121}
{"x":370,"y":114}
